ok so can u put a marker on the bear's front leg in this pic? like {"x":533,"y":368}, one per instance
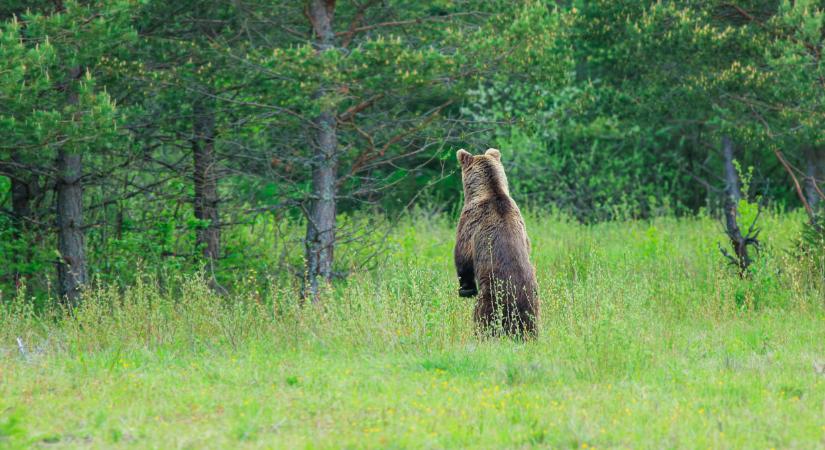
{"x":467,"y":281}
{"x":466,"y":274}
{"x":464,"y":260}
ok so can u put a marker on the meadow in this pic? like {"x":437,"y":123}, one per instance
{"x":648,"y":340}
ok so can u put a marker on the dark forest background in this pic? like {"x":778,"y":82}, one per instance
{"x":251,"y":138}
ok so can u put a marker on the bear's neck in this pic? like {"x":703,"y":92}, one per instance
{"x":495,"y":187}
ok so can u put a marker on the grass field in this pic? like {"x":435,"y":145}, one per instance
{"x":648,"y":341}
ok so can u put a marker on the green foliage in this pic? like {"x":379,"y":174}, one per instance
{"x":5,"y":187}
{"x":810,"y":248}
{"x":749,"y":205}
{"x":796,"y":71}
{"x":50,"y":95}
{"x":11,"y":431}
{"x":566,"y":154}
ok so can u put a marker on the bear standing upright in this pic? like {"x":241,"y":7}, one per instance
{"x":492,"y":251}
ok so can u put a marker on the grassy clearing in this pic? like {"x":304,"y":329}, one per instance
{"x":648,"y":340}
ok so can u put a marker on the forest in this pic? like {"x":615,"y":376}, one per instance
{"x":189,"y":135}
{"x":257,"y":192}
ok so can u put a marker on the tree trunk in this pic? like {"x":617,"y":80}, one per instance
{"x":24,"y":188}
{"x":320,"y":236}
{"x":21,"y":197}
{"x":731,"y":177}
{"x":208,"y":237}
{"x":22,"y":193}
{"x":71,"y":267}
{"x":733,"y":194}
{"x":814,"y":177}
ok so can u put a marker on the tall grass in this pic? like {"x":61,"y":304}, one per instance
{"x":666,"y":270}
{"x":640,"y":305}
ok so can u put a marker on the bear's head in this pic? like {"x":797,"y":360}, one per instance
{"x":482,"y":175}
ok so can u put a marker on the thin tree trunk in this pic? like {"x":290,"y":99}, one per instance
{"x":206,"y":180}
{"x":20,"y":202}
{"x":732,"y":196}
{"x":814,"y":176}
{"x":731,"y":177}
{"x":71,"y":267}
{"x":22,"y":193}
{"x":320,"y":236}
{"x":24,"y":188}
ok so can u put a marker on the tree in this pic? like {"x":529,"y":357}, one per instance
{"x":58,"y":116}
{"x":794,"y":109}
{"x":356,"y":105}
{"x":320,"y":236}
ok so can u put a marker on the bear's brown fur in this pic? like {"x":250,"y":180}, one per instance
{"x":492,"y":249}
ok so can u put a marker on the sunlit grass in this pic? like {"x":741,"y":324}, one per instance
{"x":647,"y":340}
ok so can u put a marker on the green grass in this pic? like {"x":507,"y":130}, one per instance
{"x":648,"y":341}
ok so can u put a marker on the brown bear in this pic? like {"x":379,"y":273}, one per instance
{"x":492,"y":250}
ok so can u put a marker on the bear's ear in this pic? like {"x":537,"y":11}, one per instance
{"x":464,"y":157}
{"x":494,"y":153}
